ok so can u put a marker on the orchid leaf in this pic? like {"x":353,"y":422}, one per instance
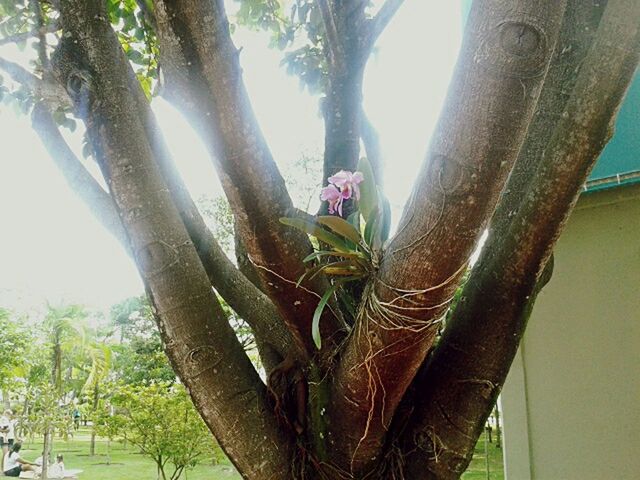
{"x":315,"y":324}
{"x":312,"y":272}
{"x":354,"y":219}
{"x":347,"y":301}
{"x":386,"y":219}
{"x":368,"y":190}
{"x":341,"y":227}
{"x":317,"y":231}
{"x":383,"y":223}
{"x":370,"y":227}
{"x":332,"y":253}
{"x":345,"y":267}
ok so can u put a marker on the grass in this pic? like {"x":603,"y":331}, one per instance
{"x":127,"y":464}
{"x":478,"y":468}
{"x":121,"y":464}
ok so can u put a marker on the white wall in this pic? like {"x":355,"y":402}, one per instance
{"x":572,"y":400}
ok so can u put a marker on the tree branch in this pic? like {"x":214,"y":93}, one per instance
{"x":146,"y":7}
{"x":42,"y":40}
{"x":20,"y":75}
{"x":342,"y":107}
{"x":471,"y":362}
{"x":23,"y":36}
{"x":261,"y":315}
{"x":332,"y":41}
{"x":202,"y":69}
{"x":489,"y":106}
{"x":75,"y":173}
{"x":46,"y":88}
{"x":378,"y":23}
{"x":200,"y":343}
{"x":371,"y":142}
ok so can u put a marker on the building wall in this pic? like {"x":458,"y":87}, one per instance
{"x":571,"y":404}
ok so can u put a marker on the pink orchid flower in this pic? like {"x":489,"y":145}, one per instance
{"x":347,"y":182}
{"x":332,"y":195}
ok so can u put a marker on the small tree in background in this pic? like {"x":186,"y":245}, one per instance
{"x":161,"y":421}
{"x":139,"y":356}
{"x":46,"y":417}
{"x":14,"y":344}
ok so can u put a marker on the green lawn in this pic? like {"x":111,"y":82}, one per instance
{"x":127,"y":464}
{"x":478,"y":468}
{"x":121,"y":464}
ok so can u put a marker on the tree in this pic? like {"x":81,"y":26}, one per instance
{"x":160,"y":420}
{"x":61,"y":334}
{"x":14,"y":343}
{"x":139,"y":357}
{"x":100,"y":355}
{"x":531,"y":105}
{"x":46,"y":417}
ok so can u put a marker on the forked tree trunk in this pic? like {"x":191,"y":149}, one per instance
{"x":368,"y":405}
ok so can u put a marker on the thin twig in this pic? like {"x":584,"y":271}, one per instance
{"x":23,"y":36}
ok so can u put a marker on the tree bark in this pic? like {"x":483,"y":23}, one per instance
{"x":75,"y":173}
{"x":203,"y":76}
{"x":261,"y":314}
{"x":96,"y":398}
{"x":504,"y":58}
{"x":199,"y":341}
{"x":46,"y":451}
{"x":463,"y":377}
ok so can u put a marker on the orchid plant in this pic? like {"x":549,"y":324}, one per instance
{"x":347,"y":249}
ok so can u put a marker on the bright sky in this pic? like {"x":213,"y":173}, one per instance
{"x":53,"y":249}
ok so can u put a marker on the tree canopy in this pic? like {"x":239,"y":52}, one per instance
{"x":362,"y":379}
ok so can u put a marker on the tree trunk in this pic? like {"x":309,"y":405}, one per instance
{"x":474,"y":146}
{"x":46,"y":451}
{"x":463,"y":376}
{"x":496,"y":415}
{"x":96,"y":398}
{"x":199,"y":341}
{"x":380,"y":401}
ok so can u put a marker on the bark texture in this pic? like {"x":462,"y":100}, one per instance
{"x":199,"y":341}
{"x":501,"y":68}
{"x":76,"y":175}
{"x":534,"y":96}
{"x":204,"y":77}
{"x":462,"y":379}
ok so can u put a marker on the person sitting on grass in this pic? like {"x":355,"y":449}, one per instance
{"x":14,"y":464}
{"x":56,"y":470}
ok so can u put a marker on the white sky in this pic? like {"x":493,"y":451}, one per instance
{"x":53,"y":249}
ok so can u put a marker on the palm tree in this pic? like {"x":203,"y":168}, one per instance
{"x":61,"y":326}
{"x":100,"y":355}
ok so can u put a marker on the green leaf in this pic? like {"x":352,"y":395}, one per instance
{"x":368,"y":190}
{"x":343,"y":268}
{"x":311,"y":273}
{"x":341,"y":227}
{"x":371,"y":227}
{"x":386,"y":218}
{"x":315,"y":324}
{"x":332,"y":253}
{"x":354,"y":219}
{"x":382,"y":224}
{"x":320,"y":233}
{"x":347,"y":301}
